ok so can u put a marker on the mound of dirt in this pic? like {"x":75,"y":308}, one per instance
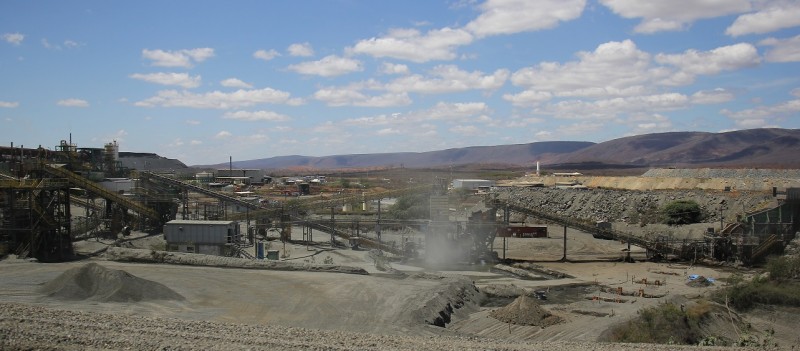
{"x":525,"y":311}
{"x":98,"y":283}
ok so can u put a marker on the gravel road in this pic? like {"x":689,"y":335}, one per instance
{"x":28,"y":327}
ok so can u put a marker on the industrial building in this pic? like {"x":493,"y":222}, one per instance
{"x":204,"y":237}
{"x":471,"y":184}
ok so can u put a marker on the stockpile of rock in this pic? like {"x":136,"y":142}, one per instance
{"x":525,"y":311}
{"x":628,"y":205}
{"x":98,"y":283}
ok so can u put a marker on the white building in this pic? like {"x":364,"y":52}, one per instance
{"x":471,"y":184}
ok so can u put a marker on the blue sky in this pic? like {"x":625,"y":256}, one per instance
{"x":203,"y":80}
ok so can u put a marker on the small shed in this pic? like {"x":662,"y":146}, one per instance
{"x":205,"y":237}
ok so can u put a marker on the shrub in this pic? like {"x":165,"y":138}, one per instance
{"x":682,"y":212}
{"x":663,"y":324}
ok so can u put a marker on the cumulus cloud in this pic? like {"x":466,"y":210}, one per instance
{"x":528,"y":98}
{"x":762,"y":115}
{"x":223,"y":135}
{"x":329,"y":66}
{"x":778,"y":15}
{"x":449,"y":78}
{"x":352,"y":96}
{"x":13,"y":38}
{"x":253,"y":116}
{"x":783,"y":50}
{"x":468,"y":130}
{"x":73,"y":103}
{"x":442,"y":111}
{"x":413,"y":45}
{"x":716,"y":96}
{"x":673,"y":15}
{"x":180,"y":79}
{"x":393,"y":68}
{"x":609,"y":109}
{"x":612,"y":69}
{"x":235,"y":83}
{"x":216,"y":99}
{"x":179,"y":58}
{"x":9,"y":104}
{"x":725,"y":58}
{"x":649,"y":123}
{"x":300,"y":49}
{"x":266,"y":55}
{"x":515,"y":16}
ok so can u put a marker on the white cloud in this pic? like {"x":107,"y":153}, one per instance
{"x":180,"y":58}
{"x":329,"y":66}
{"x":659,"y":15}
{"x":528,"y":98}
{"x":73,"y":103}
{"x":13,"y":38}
{"x":216,"y":99}
{"x":515,"y":16}
{"x":760,"y":116}
{"x":256,"y":116}
{"x":442,"y":111}
{"x":716,"y":96}
{"x":192,"y":122}
{"x":8,"y":104}
{"x":412,"y":45}
{"x":301,"y":49}
{"x":392,"y":68}
{"x":725,"y":58}
{"x":609,"y":109}
{"x":778,"y":15}
{"x":613,"y":69}
{"x":180,"y":79}
{"x":266,"y":55}
{"x":235,"y":83}
{"x":195,"y":142}
{"x":467,"y":130}
{"x":223,"y":135}
{"x":71,"y":44}
{"x":649,"y":123}
{"x":351,"y":96}
{"x":388,"y":131}
{"x":783,"y":50}
{"x":449,"y":78}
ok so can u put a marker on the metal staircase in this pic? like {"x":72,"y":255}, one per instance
{"x":765,"y":247}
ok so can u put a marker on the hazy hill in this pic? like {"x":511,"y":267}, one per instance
{"x":746,"y":148}
{"x":763,"y":148}
{"x":520,"y":154}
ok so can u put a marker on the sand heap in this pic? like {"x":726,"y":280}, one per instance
{"x":525,"y":311}
{"x":98,"y":283}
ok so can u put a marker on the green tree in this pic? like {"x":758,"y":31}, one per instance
{"x":682,"y":212}
{"x":412,"y":206}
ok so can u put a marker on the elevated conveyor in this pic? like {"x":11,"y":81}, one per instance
{"x":94,"y":189}
{"x":610,"y":234}
{"x":194,"y":188}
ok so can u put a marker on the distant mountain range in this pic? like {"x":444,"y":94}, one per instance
{"x":759,"y":148}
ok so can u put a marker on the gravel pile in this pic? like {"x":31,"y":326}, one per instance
{"x":751,"y":173}
{"x":97,"y":283}
{"x":525,"y":310}
{"x":25,"y":327}
{"x":629,"y":205}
